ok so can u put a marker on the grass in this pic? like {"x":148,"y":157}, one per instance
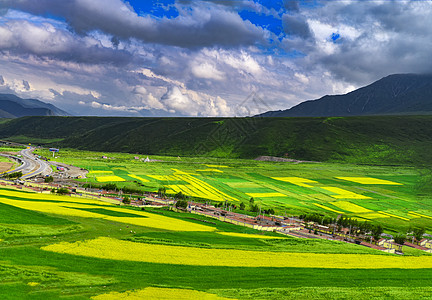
{"x":27,"y":271}
{"x":376,"y":140}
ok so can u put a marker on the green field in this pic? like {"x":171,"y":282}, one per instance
{"x":396,"y":197}
{"x":33,"y":227}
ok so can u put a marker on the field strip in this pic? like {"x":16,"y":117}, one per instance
{"x":109,"y":178}
{"x":393,"y":216}
{"x":419,"y":215}
{"x":243,"y":184}
{"x":216,"y":166}
{"x":413,"y":216}
{"x":328,"y":208}
{"x":209,"y":170}
{"x":369,"y":180}
{"x":109,"y":248}
{"x":344,"y":194}
{"x":296,"y":181}
{"x":373,"y":215}
{"x":100,"y":172}
{"x":265,"y":195}
{"x":138,"y":177}
{"x":147,"y":220}
{"x":348,"y":206}
{"x":46,"y":197}
{"x":159,"y":293}
{"x":250,"y":235}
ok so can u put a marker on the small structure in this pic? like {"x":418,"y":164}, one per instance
{"x":147,"y":159}
{"x":136,"y":157}
{"x":105,"y":157}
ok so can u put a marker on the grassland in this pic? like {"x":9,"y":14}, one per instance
{"x":366,"y":140}
{"x":394,"y":197}
{"x":157,"y":261}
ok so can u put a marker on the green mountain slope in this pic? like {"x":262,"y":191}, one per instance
{"x":369,"y":140}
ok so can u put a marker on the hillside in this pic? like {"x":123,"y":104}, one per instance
{"x":391,"y":95}
{"x":369,"y":140}
{"x":12,"y":106}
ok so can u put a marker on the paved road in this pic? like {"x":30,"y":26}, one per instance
{"x":38,"y":166}
{"x":31,"y":165}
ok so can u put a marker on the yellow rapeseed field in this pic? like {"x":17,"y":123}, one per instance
{"x":368,"y":180}
{"x":265,"y":195}
{"x":250,"y":236}
{"x":100,"y":172}
{"x":419,"y":215}
{"x":209,"y":170}
{"x":216,"y":166}
{"x":75,"y":208}
{"x":109,"y":178}
{"x":348,"y":206}
{"x":32,"y":283}
{"x":48,"y":197}
{"x":194,"y":187}
{"x":138,"y":177}
{"x":296,"y":180}
{"x":374,"y":215}
{"x":344,"y":194}
{"x":159,"y":293}
{"x":393,"y":216}
{"x":109,"y":248}
{"x":328,"y":208}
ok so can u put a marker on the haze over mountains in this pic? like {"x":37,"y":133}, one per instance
{"x":12,"y":106}
{"x":397,"y":94}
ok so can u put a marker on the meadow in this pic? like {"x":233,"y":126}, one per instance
{"x":396,"y":197}
{"x":61,"y":246}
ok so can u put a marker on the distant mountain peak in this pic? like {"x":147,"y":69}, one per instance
{"x":12,"y":106}
{"x":396,"y":94}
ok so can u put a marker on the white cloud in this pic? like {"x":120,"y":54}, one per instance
{"x":207,"y":71}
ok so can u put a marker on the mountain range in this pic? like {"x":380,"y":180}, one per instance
{"x":12,"y":106}
{"x":397,"y":94}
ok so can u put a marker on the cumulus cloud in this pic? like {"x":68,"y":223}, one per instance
{"x":207,"y":71}
{"x":45,"y":40}
{"x":208,"y":57}
{"x":196,"y":25}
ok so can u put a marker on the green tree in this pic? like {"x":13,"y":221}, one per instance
{"x":418,"y":233}
{"x":400,"y":238}
{"x":254,"y":208}
{"x":181,"y":204}
{"x":63,"y":191}
{"x":126,"y":200}
{"x":109,"y":187}
{"x":49,"y":179}
{"x":251,"y":201}
{"x":180,"y":196}
{"x":242,"y":206}
{"x":162,"y":191}
{"x":376,"y":232}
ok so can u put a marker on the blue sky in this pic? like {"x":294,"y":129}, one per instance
{"x":204,"y":58}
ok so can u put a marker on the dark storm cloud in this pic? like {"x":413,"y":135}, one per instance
{"x":296,"y":25}
{"x":292,"y":5}
{"x":196,"y":26}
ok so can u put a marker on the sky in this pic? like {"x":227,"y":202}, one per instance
{"x":205,"y":58}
